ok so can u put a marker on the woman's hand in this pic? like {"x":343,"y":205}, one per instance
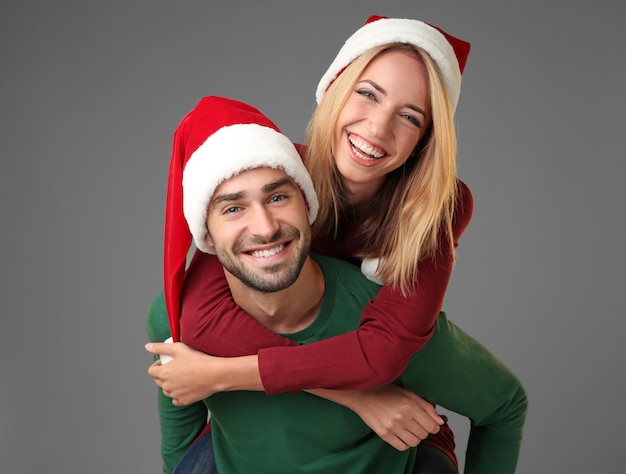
{"x":186,"y":378}
{"x":192,"y":375}
{"x":398,"y":416}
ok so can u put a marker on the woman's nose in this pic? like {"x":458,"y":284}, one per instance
{"x":378,"y":122}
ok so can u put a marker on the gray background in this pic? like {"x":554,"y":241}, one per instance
{"x":90,"y":95}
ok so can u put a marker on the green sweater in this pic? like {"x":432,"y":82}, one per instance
{"x":254,"y":432}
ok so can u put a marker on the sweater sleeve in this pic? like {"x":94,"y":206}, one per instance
{"x":456,"y":372}
{"x":180,"y":425}
{"x":213,"y":323}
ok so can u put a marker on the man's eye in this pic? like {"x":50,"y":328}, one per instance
{"x":232,"y":210}
{"x":278,"y":198}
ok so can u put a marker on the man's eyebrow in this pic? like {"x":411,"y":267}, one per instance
{"x":277,"y":184}
{"x":226,"y":197}
{"x":268,"y":188}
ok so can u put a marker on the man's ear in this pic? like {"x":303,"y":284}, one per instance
{"x":209,"y":243}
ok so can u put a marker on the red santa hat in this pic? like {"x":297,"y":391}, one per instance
{"x":448,"y":52}
{"x":215,"y":141}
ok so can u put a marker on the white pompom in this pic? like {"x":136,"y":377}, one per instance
{"x":369,"y":267}
{"x":165,"y":358}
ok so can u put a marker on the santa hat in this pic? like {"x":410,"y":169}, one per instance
{"x":217,"y":140}
{"x":448,"y":52}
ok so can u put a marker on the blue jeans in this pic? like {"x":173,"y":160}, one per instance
{"x":199,"y":459}
{"x":430,"y":460}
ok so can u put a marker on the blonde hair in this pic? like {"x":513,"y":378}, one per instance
{"x":414,"y":208}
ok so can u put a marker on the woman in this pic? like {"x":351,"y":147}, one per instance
{"x":383,"y":163}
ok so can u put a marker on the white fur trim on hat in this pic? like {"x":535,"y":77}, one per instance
{"x":397,"y":30}
{"x":369,"y":268}
{"x":228,"y":152}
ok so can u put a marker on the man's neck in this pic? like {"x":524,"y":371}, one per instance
{"x":290,"y":310}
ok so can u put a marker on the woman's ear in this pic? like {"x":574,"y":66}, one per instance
{"x":417,"y":151}
{"x":423,"y":143}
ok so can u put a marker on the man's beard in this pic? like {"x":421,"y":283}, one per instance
{"x":271,"y":278}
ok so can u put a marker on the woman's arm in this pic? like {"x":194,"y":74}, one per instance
{"x":398,"y":416}
{"x":212,"y":323}
{"x":391,"y":330}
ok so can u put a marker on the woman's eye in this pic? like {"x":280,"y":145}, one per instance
{"x":414,"y":120}
{"x":366,"y":93}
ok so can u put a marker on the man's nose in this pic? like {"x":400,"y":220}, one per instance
{"x":263,"y":223}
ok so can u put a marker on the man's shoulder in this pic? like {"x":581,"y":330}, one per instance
{"x":345,"y":276}
{"x":334,"y":262}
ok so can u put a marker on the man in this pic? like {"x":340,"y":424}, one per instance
{"x":253,"y":209}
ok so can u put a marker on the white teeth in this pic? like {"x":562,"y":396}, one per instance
{"x":365,"y":150}
{"x":268,"y":252}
